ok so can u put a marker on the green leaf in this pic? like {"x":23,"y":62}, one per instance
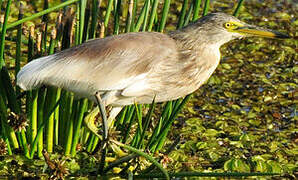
{"x":210,"y":133}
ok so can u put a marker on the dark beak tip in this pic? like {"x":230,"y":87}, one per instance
{"x":282,"y":36}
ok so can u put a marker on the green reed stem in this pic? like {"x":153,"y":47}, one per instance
{"x":159,"y":125}
{"x":35,"y":141}
{"x":117,"y":13}
{"x":82,"y":19}
{"x":146,"y":124}
{"x":9,"y":90}
{"x":139,"y":115}
{"x":31,"y":98}
{"x":188,"y":15}
{"x":86,"y":24}
{"x":45,"y":6}
{"x":90,"y":142}
{"x":197,"y":6}
{"x":40,"y":118}
{"x":7,"y":130}
{"x":25,"y":144}
{"x":64,"y":113}
{"x":133,"y":15}
{"x":71,"y":107}
{"x":237,"y":10}
{"x":137,"y":135}
{"x":3,"y":33}
{"x":145,"y":22}
{"x":50,"y":99}
{"x":12,"y":136}
{"x":206,"y":7}
{"x":119,"y":119}
{"x":165,"y":12}
{"x":18,"y":48}
{"x":52,"y":44}
{"x":77,"y":28}
{"x":129,"y":119}
{"x":57,"y":118}
{"x":9,"y":151}
{"x":153,"y":14}
{"x":94,"y":144}
{"x":129,"y":16}
{"x":12,"y":104}
{"x":108,"y":13}
{"x":3,"y":126}
{"x":141,"y":16}
{"x":85,"y":135}
{"x":36,"y":15}
{"x":45,"y":27}
{"x":161,"y":137}
{"x":95,"y":8}
{"x":33,"y":114}
{"x":40,"y":130}
{"x":182,"y":14}
{"x":77,"y":129}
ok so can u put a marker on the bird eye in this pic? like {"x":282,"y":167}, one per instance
{"x":228,"y":25}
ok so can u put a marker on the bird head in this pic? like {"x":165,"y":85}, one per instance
{"x":220,"y":28}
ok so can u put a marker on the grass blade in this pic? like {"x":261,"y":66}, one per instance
{"x":129,"y":16}
{"x":182,"y":14}
{"x":82,"y":110}
{"x":146,"y":124}
{"x":95,"y":8}
{"x":108,"y":13}
{"x":206,"y":7}
{"x":40,"y":118}
{"x":82,"y":19}
{"x":153,"y":14}
{"x":197,"y":6}
{"x":40,"y":130}
{"x":165,"y":12}
{"x":3,"y":33}
{"x":161,"y":137}
{"x":145,"y":22}
{"x":71,"y":107}
{"x":117,"y":13}
{"x":141,"y":16}
{"x":18,"y":48}
{"x":188,"y":15}
{"x":237,"y":10}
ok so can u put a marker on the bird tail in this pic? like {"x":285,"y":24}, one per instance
{"x":31,"y":76}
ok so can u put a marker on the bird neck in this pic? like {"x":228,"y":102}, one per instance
{"x":198,"y":58}
{"x":196,"y":48}
{"x":195,"y":40}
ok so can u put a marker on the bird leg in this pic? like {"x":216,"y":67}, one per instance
{"x":103,"y":143}
{"x":106,"y":122}
{"x":103,"y":113}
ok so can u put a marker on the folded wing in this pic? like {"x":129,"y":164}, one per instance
{"x":112,"y":63}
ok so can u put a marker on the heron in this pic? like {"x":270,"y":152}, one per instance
{"x":138,"y":67}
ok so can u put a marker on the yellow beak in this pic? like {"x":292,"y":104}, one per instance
{"x":257,"y":31}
